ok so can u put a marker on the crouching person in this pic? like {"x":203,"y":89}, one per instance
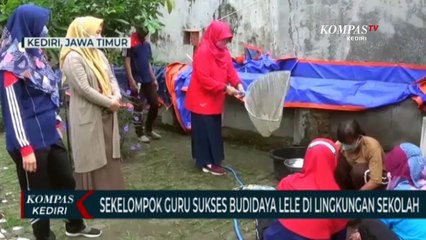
{"x":318,"y":173}
{"x":365,"y":156}
{"x":407,"y":171}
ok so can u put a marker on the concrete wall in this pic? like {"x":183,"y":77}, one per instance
{"x":252,"y":21}
{"x":391,"y":125}
{"x":294,"y":27}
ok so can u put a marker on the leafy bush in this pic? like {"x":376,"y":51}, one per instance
{"x":129,"y":141}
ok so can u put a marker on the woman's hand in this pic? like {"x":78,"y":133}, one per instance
{"x":240,"y":87}
{"x":231,"y":91}
{"x":241,"y":92}
{"x":29,"y":163}
{"x":133,"y":85}
{"x":115,"y":105}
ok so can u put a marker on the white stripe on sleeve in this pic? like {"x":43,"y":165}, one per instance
{"x":15,"y":114}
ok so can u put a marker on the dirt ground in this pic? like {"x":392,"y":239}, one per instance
{"x":163,"y":164}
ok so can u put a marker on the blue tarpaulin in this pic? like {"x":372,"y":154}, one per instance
{"x":332,"y":85}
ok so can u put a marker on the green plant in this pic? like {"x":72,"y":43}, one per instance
{"x":128,"y":139}
{"x":119,"y":15}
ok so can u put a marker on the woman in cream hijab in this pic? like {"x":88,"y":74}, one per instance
{"x":95,"y":99}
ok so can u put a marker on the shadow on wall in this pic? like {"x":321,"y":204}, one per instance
{"x":228,"y":13}
{"x":390,"y":125}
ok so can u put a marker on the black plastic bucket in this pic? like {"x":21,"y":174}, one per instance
{"x":279,"y":156}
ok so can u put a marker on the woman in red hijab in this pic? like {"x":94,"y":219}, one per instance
{"x":213,"y":71}
{"x":318,"y":173}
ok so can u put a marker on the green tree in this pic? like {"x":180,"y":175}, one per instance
{"x":119,"y":15}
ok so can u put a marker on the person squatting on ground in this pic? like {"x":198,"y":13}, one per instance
{"x":94,"y":102}
{"x":407,"y":171}
{"x":29,"y":100}
{"x":318,"y":173}
{"x":139,"y":71}
{"x":364,"y":155}
{"x":205,"y":99}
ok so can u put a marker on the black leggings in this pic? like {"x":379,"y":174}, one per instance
{"x":372,"y":229}
{"x":54,"y":172}
{"x":149,"y":91}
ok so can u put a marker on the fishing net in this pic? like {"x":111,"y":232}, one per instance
{"x":264,"y":101}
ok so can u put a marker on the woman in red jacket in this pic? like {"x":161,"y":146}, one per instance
{"x":318,"y":174}
{"x":212,"y":72}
